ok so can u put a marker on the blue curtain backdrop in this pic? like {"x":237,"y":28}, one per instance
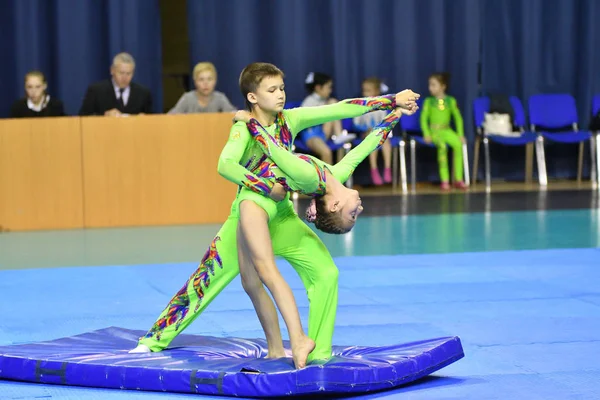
{"x":401,"y":42}
{"x":523,"y":47}
{"x":72,"y":42}
{"x":542,"y":46}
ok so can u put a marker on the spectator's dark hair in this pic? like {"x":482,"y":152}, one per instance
{"x":315,"y":79}
{"x":441,"y":77}
{"x":327,"y":221}
{"x":252,"y":76}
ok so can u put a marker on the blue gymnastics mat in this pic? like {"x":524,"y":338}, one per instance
{"x":220,"y":366}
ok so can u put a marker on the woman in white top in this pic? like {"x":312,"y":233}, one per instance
{"x":205,"y":99}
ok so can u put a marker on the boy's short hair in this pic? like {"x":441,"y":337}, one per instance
{"x":252,"y":76}
{"x":204,"y":66}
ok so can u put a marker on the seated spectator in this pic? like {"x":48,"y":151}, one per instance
{"x":372,"y":87}
{"x":117,"y":96}
{"x":205,"y":99}
{"x":36,"y":103}
{"x":319,"y":86}
{"x":439,"y":110}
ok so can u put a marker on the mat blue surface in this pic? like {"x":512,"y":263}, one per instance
{"x":223,"y":366}
{"x":528,"y":320}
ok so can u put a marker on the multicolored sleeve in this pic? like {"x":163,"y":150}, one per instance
{"x":229,"y":165}
{"x":301,"y":118}
{"x":458,"y":120}
{"x":424,"y":119}
{"x":301,"y":175}
{"x":372,"y":142}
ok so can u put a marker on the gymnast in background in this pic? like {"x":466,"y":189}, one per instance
{"x":439,"y":110}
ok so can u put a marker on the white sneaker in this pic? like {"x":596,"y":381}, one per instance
{"x":345,"y":137}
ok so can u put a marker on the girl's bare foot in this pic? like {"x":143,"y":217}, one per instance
{"x":304,"y":346}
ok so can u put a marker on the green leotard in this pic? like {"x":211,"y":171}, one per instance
{"x":243,"y":162}
{"x":435,"y":123}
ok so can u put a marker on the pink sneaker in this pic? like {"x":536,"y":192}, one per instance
{"x":376,"y":178}
{"x":460,"y":185}
{"x":387,"y":175}
{"x":445,"y":186}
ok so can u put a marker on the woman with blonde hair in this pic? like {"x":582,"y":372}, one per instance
{"x":204,"y":99}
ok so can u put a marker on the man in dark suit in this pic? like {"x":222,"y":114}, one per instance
{"x":117,"y":96}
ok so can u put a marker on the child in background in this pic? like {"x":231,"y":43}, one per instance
{"x":437,"y":113}
{"x":372,"y":87}
{"x":320,"y":86}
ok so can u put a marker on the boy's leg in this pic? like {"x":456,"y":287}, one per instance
{"x":216,"y":270}
{"x":254,"y":226}
{"x":302,"y":248}
{"x":265,"y":309}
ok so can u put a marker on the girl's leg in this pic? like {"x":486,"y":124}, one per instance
{"x":375,"y":176}
{"x":254,"y":227}
{"x":386,"y":151}
{"x":265,"y":309}
{"x":454,"y":142}
{"x":332,"y":127}
{"x":329,"y":129}
{"x":320,"y":149}
{"x":216,"y":270}
{"x":442,"y":156}
{"x":302,"y":176}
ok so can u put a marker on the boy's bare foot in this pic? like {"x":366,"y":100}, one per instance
{"x":276,"y":353}
{"x":300,"y":352}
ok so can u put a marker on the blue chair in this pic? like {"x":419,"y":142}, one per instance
{"x":596,"y":104}
{"x":557,"y":111}
{"x":411,"y":127}
{"x":481,"y":106}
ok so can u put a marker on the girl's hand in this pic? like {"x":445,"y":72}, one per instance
{"x":242,"y":115}
{"x":407,"y":99}
{"x":406,"y":111}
